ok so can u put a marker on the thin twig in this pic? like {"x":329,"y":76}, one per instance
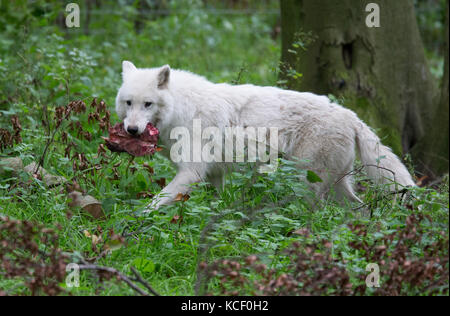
{"x":51,"y":140}
{"x":122,"y":277}
{"x":143,"y":282}
{"x":129,"y":163}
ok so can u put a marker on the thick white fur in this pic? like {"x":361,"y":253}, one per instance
{"x":311,"y":127}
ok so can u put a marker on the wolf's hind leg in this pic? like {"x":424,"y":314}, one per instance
{"x":344,"y":190}
{"x":218,"y":181}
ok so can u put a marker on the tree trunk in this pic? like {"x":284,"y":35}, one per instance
{"x":381,"y":73}
{"x":432,"y":152}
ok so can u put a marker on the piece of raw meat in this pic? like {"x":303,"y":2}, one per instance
{"x":144,"y":144}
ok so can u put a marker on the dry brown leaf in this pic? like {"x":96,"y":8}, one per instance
{"x":179,"y":197}
{"x":182,"y":197}
{"x":423,"y":181}
{"x":94,"y":238}
{"x":176,"y":219}
{"x":87,"y":203}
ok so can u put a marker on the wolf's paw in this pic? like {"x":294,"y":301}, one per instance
{"x":154,"y":205}
{"x":147,"y":211}
{"x":151,"y":208}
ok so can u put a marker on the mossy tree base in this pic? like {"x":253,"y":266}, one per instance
{"x":381,"y":73}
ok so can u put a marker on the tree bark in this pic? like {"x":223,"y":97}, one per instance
{"x":381,"y":73}
{"x":433,"y":151}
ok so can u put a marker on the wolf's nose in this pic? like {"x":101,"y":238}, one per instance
{"x":132,"y":130}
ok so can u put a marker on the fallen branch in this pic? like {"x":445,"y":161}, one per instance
{"x":123,"y":278}
{"x":143,"y":282}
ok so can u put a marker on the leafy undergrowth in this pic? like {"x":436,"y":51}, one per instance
{"x":315,"y":267}
{"x":259,"y":236}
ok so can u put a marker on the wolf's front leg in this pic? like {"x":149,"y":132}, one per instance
{"x":182,"y":183}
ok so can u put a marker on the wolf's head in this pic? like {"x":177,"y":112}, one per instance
{"x":143,"y":97}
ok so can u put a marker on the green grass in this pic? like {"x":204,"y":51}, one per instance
{"x":44,"y":66}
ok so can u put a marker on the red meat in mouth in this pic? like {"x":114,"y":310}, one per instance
{"x":140,"y":145}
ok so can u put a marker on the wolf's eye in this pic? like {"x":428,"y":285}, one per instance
{"x":128,"y":102}
{"x":148,"y":104}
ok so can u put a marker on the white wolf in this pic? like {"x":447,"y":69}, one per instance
{"x":310,"y":127}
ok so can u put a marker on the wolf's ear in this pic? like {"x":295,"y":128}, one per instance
{"x":127,"y":67}
{"x":163,"y":77}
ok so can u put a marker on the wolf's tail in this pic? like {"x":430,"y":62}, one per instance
{"x":381,"y":164}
